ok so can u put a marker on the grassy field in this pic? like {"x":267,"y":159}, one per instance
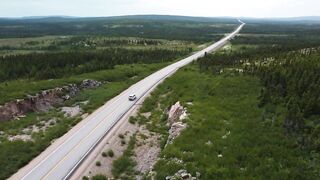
{"x":224,"y":120}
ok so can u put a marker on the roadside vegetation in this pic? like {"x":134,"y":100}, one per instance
{"x":123,"y":167}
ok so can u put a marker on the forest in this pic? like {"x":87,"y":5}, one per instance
{"x":290,"y":75}
{"x":160,"y":27}
{"x":55,"y":65}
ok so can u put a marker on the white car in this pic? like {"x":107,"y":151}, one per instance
{"x":132,"y":97}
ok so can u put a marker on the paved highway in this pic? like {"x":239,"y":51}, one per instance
{"x":65,"y":158}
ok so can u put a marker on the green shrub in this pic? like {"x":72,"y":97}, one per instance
{"x":132,"y":120}
{"x":110,"y":153}
{"x":121,"y":136}
{"x":99,"y":177}
{"x":123,"y":142}
{"x":104,"y":154}
{"x":98,"y":163}
{"x":85,"y":178}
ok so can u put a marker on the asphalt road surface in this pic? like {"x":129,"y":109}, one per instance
{"x":64,"y":159}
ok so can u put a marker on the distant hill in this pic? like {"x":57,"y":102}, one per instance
{"x":151,"y":26}
{"x":306,"y":18}
{"x":49,"y":19}
{"x":292,"y":20}
{"x":148,"y":18}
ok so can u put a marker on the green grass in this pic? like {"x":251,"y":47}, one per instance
{"x":256,"y":148}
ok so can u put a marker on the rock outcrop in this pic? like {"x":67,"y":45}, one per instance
{"x":40,"y":102}
{"x":44,"y":100}
{"x":71,"y":111}
{"x":88,"y":84}
{"x":183,"y":174}
{"x":175,"y":112}
{"x":176,"y":115}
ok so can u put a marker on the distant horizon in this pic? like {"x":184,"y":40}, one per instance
{"x":200,"y":8}
{"x":175,"y":15}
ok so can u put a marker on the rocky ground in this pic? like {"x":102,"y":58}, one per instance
{"x":146,"y":151}
{"x":116,"y":146}
{"x":183,"y":174}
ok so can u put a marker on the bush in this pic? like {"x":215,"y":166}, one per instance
{"x":132,"y":120}
{"x":110,"y":153}
{"x":123,"y":142}
{"x":85,"y":178}
{"x":99,"y":177}
{"x":121,"y":136}
{"x":98,"y":163}
{"x":104,"y":154}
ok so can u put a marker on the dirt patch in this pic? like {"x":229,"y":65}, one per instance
{"x":114,"y":144}
{"x":71,"y":111}
{"x":146,"y":115}
{"x":20,"y":137}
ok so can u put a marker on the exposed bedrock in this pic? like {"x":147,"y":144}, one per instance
{"x":44,"y":100}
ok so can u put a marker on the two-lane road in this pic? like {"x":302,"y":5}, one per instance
{"x":61,"y":161}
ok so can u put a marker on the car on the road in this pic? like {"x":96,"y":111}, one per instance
{"x":132,"y":97}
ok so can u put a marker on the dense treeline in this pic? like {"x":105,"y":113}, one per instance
{"x":285,"y":41}
{"x":283,"y":28}
{"x":55,"y":65}
{"x":290,"y":78}
{"x":285,"y":34}
{"x":295,"y":82}
{"x":148,"y":27}
{"x":243,"y":55}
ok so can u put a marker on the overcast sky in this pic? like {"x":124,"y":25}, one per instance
{"x":236,"y":8}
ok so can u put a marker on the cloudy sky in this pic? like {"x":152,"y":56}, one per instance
{"x":248,"y":8}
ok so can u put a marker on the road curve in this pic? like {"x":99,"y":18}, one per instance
{"x":65,"y":158}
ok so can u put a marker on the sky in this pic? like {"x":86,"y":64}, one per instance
{"x":208,"y":8}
